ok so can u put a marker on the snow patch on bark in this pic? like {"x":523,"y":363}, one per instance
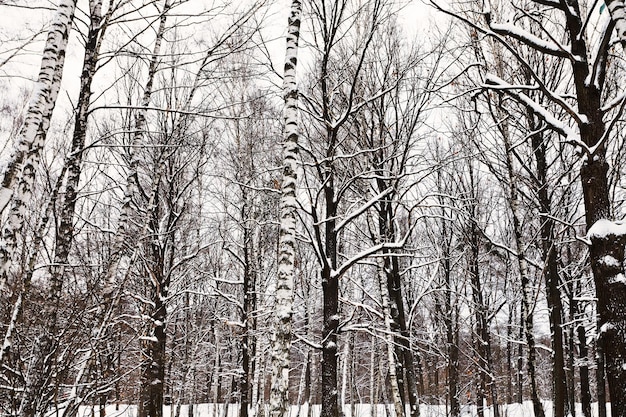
{"x":149,"y":338}
{"x":604,"y":228}
{"x":610,"y":261}
{"x":605,"y":328}
{"x":618,"y":279}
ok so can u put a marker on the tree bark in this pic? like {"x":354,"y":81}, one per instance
{"x":452,"y":335}
{"x":551,"y":273}
{"x":65,"y":230}
{"x":154,"y":343}
{"x":585,"y":395}
{"x":18,"y":176}
{"x":248,"y":320}
{"x":389,"y":339}
{"x":600,"y":378}
{"x":283,"y":307}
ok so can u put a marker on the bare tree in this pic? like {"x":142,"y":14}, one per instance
{"x":18,"y":175}
{"x":283,"y":310}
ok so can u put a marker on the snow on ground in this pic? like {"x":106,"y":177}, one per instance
{"x":361,"y":410}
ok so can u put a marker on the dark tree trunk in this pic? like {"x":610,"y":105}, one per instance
{"x":600,"y":378}
{"x":405,"y":361}
{"x":585,"y":394}
{"x":159,"y":257}
{"x":153,"y":369}
{"x":452,"y":341}
{"x":571,"y":383}
{"x":248,"y":307}
{"x":330,"y":289}
{"x":606,"y":240}
{"x":551,"y":275}
{"x":520,"y":359}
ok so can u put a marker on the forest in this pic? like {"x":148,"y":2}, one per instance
{"x":312,"y":208}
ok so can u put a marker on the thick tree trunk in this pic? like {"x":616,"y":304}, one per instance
{"x":153,"y":347}
{"x":283,"y":307}
{"x":159,"y":255}
{"x":330,"y":288}
{"x":607,"y":254}
{"x":606,"y":237}
{"x":18,"y":176}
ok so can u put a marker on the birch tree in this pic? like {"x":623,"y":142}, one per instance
{"x":44,"y":357}
{"x":18,"y":174}
{"x":124,"y":250}
{"x":283,"y":310}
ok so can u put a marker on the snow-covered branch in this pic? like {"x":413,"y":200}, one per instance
{"x":495,"y":83}
{"x":362,"y":209}
{"x":535,"y":42}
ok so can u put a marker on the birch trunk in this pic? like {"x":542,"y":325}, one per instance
{"x":65,"y":231}
{"x":617,"y":9}
{"x":27,"y":275}
{"x":120,"y":260}
{"x":18,"y":176}
{"x":283,"y":308}
{"x":389,"y":339}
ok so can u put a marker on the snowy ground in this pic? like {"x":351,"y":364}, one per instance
{"x":361,"y":410}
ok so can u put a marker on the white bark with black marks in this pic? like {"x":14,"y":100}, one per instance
{"x":283,"y":309}
{"x":18,"y":173}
